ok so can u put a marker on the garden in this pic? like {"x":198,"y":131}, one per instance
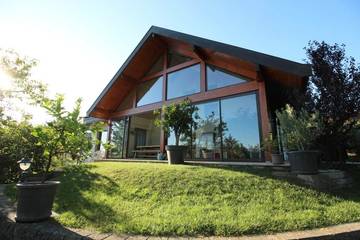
{"x":320,"y":129}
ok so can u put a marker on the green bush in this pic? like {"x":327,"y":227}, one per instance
{"x":16,"y":142}
{"x":301,"y":129}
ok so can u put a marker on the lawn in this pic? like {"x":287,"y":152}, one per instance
{"x":158,"y":199}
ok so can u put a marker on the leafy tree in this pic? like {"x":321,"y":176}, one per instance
{"x":64,"y":137}
{"x":19,"y":68}
{"x":177,"y":117}
{"x":334,"y":92}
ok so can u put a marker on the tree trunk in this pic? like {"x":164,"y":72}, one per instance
{"x":47,"y":169}
{"x":177,"y":137}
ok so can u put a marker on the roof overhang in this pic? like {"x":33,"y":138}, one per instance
{"x":154,"y":42}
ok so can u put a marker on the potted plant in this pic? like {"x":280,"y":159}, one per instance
{"x":272,"y":144}
{"x":300,"y":130}
{"x":176,"y":118}
{"x":64,"y":136}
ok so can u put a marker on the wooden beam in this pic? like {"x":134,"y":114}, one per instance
{"x":128,"y":78}
{"x":202,"y":76}
{"x":200,"y":53}
{"x":264,"y":117}
{"x":163,"y":140}
{"x":183,"y":65}
{"x":195,"y":98}
{"x":101,"y":112}
{"x":259,"y":73}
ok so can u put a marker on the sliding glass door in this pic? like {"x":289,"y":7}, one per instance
{"x":241,"y":137}
{"x":227,"y":129}
{"x":206,"y":132}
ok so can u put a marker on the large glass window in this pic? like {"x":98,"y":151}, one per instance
{"x":207,"y":133}
{"x":241,"y":139}
{"x":217,"y":78}
{"x":149,"y":92}
{"x":119,"y":138}
{"x":183,"y":82}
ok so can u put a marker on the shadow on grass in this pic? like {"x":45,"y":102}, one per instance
{"x":77,"y":206}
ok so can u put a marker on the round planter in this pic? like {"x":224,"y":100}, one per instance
{"x":175,"y":154}
{"x":35,"y":200}
{"x":277,"y":158}
{"x":304,"y":162}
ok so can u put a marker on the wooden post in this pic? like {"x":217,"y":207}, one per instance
{"x":264,"y":117}
{"x":163,"y":139}
{"x":108,"y":137}
{"x":202,"y":76}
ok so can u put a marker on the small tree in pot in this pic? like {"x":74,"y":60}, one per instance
{"x":62,"y":138}
{"x":300,"y":131}
{"x":179,"y":119}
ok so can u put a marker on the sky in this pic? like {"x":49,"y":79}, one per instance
{"x":81,"y":44}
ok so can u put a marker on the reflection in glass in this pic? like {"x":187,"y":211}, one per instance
{"x":183,"y":82}
{"x":241,"y":139}
{"x":118,"y":138}
{"x":149,"y":92}
{"x":144,"y":136}
{"x":217,"y":78}
{"x":207,"y":137}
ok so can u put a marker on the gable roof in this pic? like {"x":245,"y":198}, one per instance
{"x":291,"y":67}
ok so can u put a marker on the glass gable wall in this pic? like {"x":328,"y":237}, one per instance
{"x":183,"y":82}
{"x":228,"y":128}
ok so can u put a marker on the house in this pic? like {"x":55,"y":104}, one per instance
{"x":236,"y":91}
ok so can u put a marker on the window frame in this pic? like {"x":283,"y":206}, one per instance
{"x":247,"y":79}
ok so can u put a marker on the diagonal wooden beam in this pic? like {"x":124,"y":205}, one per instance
{"x":199,"y":53}
{"x":259,"y":73}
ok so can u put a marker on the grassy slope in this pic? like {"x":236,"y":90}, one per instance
{"x":158,"y":199}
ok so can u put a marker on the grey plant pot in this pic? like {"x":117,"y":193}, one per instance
{"x":175,"y":154}
{"x":304,"y":162}
{"x":35,"y":200}
{"x":277,"y":158}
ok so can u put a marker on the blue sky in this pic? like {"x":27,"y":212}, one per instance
{"x":81,"y":44}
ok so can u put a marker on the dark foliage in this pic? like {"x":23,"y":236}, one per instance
{"x":333,"y":91}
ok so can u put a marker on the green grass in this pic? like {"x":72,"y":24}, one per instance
{"x":158,"y":199}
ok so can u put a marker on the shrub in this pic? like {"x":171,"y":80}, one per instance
{"x":16,"y":142}
{"x":301,"y":129}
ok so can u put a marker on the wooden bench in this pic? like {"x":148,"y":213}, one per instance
{"x":149,"y":151}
